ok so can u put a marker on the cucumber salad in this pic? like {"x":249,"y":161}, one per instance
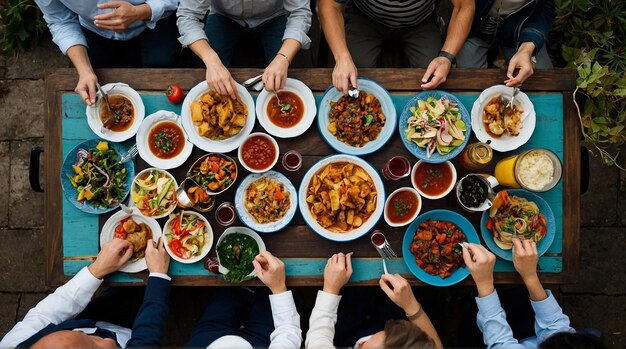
{"x":154,"y":193}
{"x":186,"y":235}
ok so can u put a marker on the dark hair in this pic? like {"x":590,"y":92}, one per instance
{"x":572,"y":340}
{"x":403,"y":334}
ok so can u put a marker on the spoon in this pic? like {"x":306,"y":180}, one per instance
{"x":111,"y":120}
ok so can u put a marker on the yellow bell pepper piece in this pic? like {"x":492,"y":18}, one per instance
{"x":88,"y":194}
{"x":78,"y":170}
{"x":102,"y":146}
{"x":81,"y":196}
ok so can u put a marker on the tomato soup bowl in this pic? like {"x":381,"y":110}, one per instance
{"x":258,"y":153}
{"x":433,"y":181}
{"x":402,"y":207}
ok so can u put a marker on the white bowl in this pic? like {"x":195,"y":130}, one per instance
{"x":93,"y":113}
{"x":207,"y":245}
{"x":505,"y":142}
{"x":433,"y":197}
{"x":143,"y":137}
{"x":310,"y":110}
{"x":108,"y":233}
{"x":355,"y":233}
{"x":272,"y":140}
{"x":216,"y":146}
{"x":241,"y":230}
{"x":412,"y":218}
{"x":140,"y":174}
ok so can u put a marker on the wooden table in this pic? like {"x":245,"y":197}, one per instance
{"x":72,"y":236}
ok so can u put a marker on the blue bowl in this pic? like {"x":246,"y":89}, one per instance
{"x":409,"y":259}
{"x":71,"y":193}
{"x":544,"y":209}
{"x":420,"y":153}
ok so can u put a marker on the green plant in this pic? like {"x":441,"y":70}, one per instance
{"x":592,"y":33}
{"x":21,"y":24}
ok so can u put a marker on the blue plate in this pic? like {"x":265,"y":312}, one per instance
{"x":420,"y":153}
{"x":443,"y":215}
{"x":66,"y":170}
{"x":544,"y":209}
{"x":369,"y":86}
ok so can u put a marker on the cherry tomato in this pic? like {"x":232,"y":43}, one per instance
{"x":174,"y":93}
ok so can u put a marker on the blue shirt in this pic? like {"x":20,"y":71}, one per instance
{"x":491,"y":319}
{"x":64,"y":18}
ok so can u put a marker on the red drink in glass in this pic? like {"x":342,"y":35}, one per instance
{"x":397,"y":167}
{"x":225,"y":213}
{"x":292,"y":160}
{"x":378,"y":238}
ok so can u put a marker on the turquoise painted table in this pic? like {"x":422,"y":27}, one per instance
{"x":73,"y":240}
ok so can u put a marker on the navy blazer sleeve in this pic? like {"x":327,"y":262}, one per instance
{"x":149,"y":326}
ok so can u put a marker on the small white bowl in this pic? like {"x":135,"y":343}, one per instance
{"x":207,"y":245}
{"x":412,"y":218}
{"x":434,"y":197}
{"x":93,"y":113}
{"x":241,"y":230}
{"x":143,"y":136}
{"x":261,"y":134}
{"x":140,"y":175}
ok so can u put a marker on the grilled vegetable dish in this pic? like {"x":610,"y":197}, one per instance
{"x":215,"y":173}
{"x":436,"y":249}
{"x":356,"y":121}
{"x":236,"y":252}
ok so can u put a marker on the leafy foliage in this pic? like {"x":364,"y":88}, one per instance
{"x":21,"y":24}
{"x":593,"y":34}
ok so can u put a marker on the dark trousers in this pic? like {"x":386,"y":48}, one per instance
{"x":224,"y":34}
{"x":115,"y":305}
{"x":153,"y":48}
{"x":365,"y":38}
{"x":238,"y":312}
{"x":363,"y":311}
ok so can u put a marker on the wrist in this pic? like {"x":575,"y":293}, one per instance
{"x":96,"y":271}
{"x":343,"y":57}
{"x":211,"y":58}
{"x":527,"y":48}
{"x":278,"y":289}
{"x":485,"y":288}
{"x":449,"y":56}
{"x":412,"y":309}
{"x":144,"y":12}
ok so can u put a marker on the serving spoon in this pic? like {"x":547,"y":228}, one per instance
{"x":111,"y":120}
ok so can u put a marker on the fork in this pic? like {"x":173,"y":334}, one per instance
{"x":353,"y":92}
{"x":510,"y":103}
{"x":130,"y":154}
{"x":116,"y":117}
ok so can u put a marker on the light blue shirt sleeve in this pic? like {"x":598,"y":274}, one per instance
{"x":549,"y":318}
{"x":63,"y":24}
{"x":298,"y":21}
{"x":491,"y":320}
{"x":189,"y":15}
{"x":160,"y":9}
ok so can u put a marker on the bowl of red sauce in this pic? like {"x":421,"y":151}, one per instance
{"x":258,"y":152}
{"x":433,"y":181}
{"x":402,"y":207}
{"x":162,"y":141}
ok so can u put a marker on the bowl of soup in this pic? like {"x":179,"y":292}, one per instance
{"x":119,"y":119}
{"x":162,"y":141}
{"x":402,"y":207}
{"x":258,"y":153}
{"x":433,"y":181}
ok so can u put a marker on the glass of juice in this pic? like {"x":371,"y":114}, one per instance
{"x":396,"y":168}
{"x":225,"y":213}
{"x":292,"y":160}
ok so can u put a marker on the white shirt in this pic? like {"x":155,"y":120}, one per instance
{"x":322,"y":322}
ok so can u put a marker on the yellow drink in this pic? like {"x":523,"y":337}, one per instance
{"x":505,"y":172}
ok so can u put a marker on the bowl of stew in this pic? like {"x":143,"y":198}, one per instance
{"x":162,"y":141}
{"x":128,"y":107}
{"x":258,"y":153}
{"x":402,"y":207}
{"x":213,"y":173}
{"x":433,"y":181}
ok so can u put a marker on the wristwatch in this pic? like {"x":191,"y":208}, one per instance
{"x":448,"y":55}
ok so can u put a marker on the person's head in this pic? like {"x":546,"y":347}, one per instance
{"x":572,"y":340}
{"x":399,"y":334}
{"x":73,"y":339}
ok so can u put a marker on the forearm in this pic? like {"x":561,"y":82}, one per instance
{"x":78,"y":55}
{"x":332,"y":21}
{"x":459,"y":26}
{"x":535,"y":289}
{"x":290,"y":48}
{"x":143,"y":12}
{"x":424,"y":323}
{"x":203,"y":50}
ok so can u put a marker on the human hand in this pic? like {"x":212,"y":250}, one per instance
{"x":219,"y":78}
{"x":399,"y":291}
{"x":345,"y":75}
{"x":275,"y":75}
{"x":525,"y":258}
{"x":112,"y":256}
{"x":123,"y":15}
{"x":436,"y":72}
{"x":480,"y":263}
{"x":337,"y":272}
{"x":521,"y":61}
{"x":157,"y":258}
{"x":86,"y":87}
{"x":271,"y":271}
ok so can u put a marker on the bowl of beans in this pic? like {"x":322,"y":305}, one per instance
{"x":258,"y":153}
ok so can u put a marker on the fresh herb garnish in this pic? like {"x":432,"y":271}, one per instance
{"x":285,"y":107}
{"x":163,"y":142}
{"x":402,"y":208}
{"x":368,"y":119}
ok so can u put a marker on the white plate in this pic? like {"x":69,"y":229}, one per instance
{"x":387,"y":106}
{"x":108,"y":232}
{"x":144,"y":148}
{"x":248,"y":220}
{"x":225,"y":145}
{"x":93,"y":114}
{"x":505,"y":142}
{"x":242,"y":230}
{"x":310,"y":110}
{"x":205,"y":249}
{"x":372,"y":220}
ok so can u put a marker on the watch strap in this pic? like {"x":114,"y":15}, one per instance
{"x":448,"y":55}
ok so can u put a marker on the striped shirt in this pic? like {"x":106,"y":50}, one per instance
{"x":396,"y":13}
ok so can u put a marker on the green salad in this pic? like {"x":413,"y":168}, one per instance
{"x":236,"y":253}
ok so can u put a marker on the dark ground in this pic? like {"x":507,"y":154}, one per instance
{"x":597,"y":300}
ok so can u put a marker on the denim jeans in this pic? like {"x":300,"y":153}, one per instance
{"x":224,"y":34}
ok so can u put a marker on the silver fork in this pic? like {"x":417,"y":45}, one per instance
{"x":384,"y":249}
{"x":510,"y":104}
{"x":130,"y":154}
